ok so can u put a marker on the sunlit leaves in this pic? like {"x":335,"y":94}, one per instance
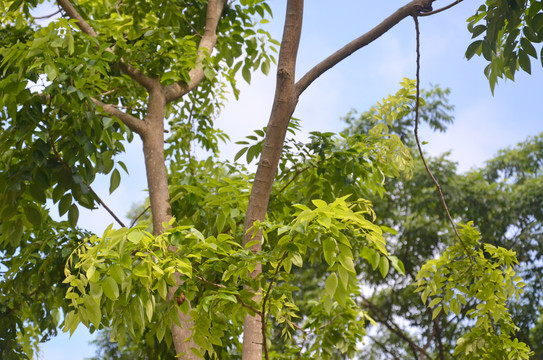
{"x":486,"y":275}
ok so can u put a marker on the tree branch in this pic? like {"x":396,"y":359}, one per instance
{"x":207,"y":43}
{"x":412,"y":8}
{"x":441,"y":9}
{"x":136,"y":125}
{"x":393,"y":327}
{"x":73,"y":14}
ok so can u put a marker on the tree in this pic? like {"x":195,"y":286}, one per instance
{"x":502,"y":198}
{"x":126,"y":78}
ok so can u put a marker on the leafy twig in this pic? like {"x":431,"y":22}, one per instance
{"x":220,"y":286}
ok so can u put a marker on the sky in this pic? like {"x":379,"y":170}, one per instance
{"x":484,"y":123}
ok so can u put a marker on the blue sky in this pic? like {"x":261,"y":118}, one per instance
{"x":484,"y":123}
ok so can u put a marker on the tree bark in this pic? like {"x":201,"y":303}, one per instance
{"x":284,"y":103}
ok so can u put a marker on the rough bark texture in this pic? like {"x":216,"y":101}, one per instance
{"x":284,"y":103}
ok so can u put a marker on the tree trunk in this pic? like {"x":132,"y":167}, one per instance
{"x":284,"y":103}
{"x":159,"y":195}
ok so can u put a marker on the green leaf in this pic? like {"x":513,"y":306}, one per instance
{"x":266,"y":67}
{"x":329,"y":250}
{"x":383,"y":266}
{"x":33,"y":215}
{"x":434,"y":302}
{"x":347,"y":263}
{"x":93,"y":310}
{"x":331,"y":284}
{"x":149,"y":308}
{"x":240,"y":153}
{"x":297,"y":260}
{"x":436,"y":312}
{"x":135,"y":236}
{"x":64,"y":204}
{"x":528,"y":47}
{"x":524,"y":61}
{"x":73,"y":215}
{"x":397,"y":264}
{"x":114,"y":181}
{"x":455,"y":306}
{"x":110,"y":288}
{"x":246,"y":73}
{"x":343,"y":276}
{"x":221,"y":221}
{"x":473,"y":48}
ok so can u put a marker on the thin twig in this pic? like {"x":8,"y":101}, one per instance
{"x":140,"y":215}
{"x":47,"y":16}
{"x":441,"y":9}
{"x":417,"y":105}
{"x":298,"y":172}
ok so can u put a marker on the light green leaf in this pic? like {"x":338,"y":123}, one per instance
{"x":331,"y":284}
{"x":149,"y":308}
{"x":110,"y":288}
{"x":436,"y":312}
{"x":383,"y":266}
{"x":135,"y":236}
{"x":329,"y":250}
{"x":347,"y":263}
{"x":434,"y":302}
{"x":93,"y":310}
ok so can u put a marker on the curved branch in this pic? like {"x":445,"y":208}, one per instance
{"x":415,"y":7}
{"x":135,"y":74}
{"x":73,"y":14}
{"x":133,"y":123}
{"x":207,"y":43}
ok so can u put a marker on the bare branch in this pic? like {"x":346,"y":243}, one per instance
{"x":441,"y":9}
{"x":136,"y":125}
{"x":47,"y":16}
{"x":207,"y":43}
{"x":412,"y":8}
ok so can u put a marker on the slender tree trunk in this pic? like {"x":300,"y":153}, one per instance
{"x":159,"y":195}
{"x":284,"y":103}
